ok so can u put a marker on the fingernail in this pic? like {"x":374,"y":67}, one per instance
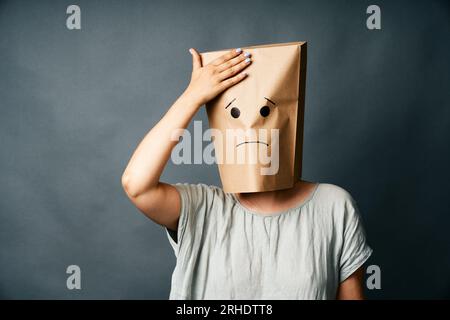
{"x":238,"y":50}
{"x":244,"y":74}
{"x":248,"y":60}
{"x":247,"y":54}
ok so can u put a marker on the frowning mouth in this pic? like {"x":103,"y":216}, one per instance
{"x":256,"y":141}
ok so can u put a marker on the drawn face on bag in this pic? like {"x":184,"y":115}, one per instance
{"x":257,"y":124}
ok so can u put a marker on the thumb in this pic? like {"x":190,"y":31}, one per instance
{"x":196,"y":59}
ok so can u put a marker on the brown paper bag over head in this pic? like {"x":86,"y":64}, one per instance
{"x":257,"y":124}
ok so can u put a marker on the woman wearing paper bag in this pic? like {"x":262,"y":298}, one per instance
{"x":266,"y":234}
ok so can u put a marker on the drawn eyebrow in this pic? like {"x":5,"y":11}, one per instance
{"x":270,"y":100}
{"x":230,"y":103}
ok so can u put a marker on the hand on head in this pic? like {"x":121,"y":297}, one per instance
{"x":210,"y":80}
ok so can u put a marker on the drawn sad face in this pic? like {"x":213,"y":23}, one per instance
{"x":264,"y":112}
{"x":253,"y":121}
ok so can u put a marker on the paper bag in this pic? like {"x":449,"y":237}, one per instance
{"x":259,"y":121}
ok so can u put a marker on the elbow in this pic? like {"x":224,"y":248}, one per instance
{"x":129,"y":186}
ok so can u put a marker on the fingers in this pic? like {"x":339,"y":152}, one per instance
{"x":232,"y":81}
{"x":227,"y":56}
{"x":196,"y":59}
{"x":230,"y":63}
{"x":235,"y":68}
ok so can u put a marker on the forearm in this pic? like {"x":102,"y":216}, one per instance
{"x":150,"y":157}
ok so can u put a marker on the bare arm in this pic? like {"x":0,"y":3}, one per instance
{"x":352,"y":287}
{"x":140,"y":180}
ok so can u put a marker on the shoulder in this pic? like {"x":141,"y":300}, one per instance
{"x":331,"y":193}
{"x":336,"y":203}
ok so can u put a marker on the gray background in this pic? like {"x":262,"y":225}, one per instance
{"x":74,"y":104}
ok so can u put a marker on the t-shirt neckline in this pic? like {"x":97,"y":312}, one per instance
{"x":278,"y":213}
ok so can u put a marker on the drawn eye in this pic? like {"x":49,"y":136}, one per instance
{"x":264,"y":111}
{"x":235,"y":112}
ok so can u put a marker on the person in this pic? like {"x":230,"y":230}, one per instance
{"x":306,"y":242}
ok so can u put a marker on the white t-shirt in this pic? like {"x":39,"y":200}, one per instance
{"x":226,"y":251}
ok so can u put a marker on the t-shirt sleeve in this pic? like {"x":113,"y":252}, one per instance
{"x":193,"y":199}
{"x":355,"y":249}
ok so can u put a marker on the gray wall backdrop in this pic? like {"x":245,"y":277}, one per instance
{"x":74,"y":104}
